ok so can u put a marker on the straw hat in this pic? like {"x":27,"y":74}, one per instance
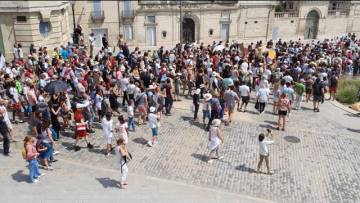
{"x":207,"y":96}
{"x":152,"y":109}
{"x":216,"y":122}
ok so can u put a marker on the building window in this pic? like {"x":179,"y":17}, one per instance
{"x":97,"y":8}
{"x":245,"y":22}
{"x":127,"y":8}
{"x":224,"y":33}
{"x":151,"y":36}
{"x":21,"y":18}
{"x":163,"y":33}
{"x":211,"y":32}
{"x":225,"y":15}
{"x":150,"y":19}
{"x":128,"y":32}
{"x":44,"y":28}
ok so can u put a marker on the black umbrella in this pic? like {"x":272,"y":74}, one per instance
{"x":56,"y":87}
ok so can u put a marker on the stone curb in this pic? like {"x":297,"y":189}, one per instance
{"x":345,"y":108}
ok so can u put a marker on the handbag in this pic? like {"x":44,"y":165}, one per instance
{"x":257,"y":105}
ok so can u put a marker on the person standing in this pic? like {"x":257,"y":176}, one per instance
{"x":80,"y":130}
{"x":31,"y":157}
{"x":107,"y":125}
{"x":121,"y":129}
{"x":168,"y":97}
{"x":5,"y":133}
{"x":196,"y":100}
{"x":121,"y":154}
{"x":245,"y":95}
{"x":91,"y":44}
{"x":318,"y":94}
{"x":104,"y":41}
{"x":264,"y":151}
{"x":333,"y":86}
{"x":231,"y":98}
{"x":214,"y":106}
{"x":124,"y":82}
{"x":215,"y":138}
{"x":283,"y":107}
{"x":153,"y":124}
{"x":299,"y":91}
{"x":262,"y":97}
{"x":130,"y":112}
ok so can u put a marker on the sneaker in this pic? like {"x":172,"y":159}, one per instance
{"x":77,"y":148}
{"x":107,"y":154}
{"x":54,"y":160}
{"x":56,"y":152}
{"x":90,"y":146}
{"x":210,"y":161}
{"x":35,"y":181}
{"x":49,"y":168}
{"x":41,"y":175}
{"x":149,"y":143}
{"x":220,"y":157}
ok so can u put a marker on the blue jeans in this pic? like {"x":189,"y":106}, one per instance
{"x":49,"y":153}
{"x":168,"y":104}
{"x":33,"y":170}
{"x":131,"y":123}
{"x":54,"y":134}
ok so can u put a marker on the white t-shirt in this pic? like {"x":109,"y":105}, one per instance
{"x":107,"y":127}
{"x":124,"y":84}
{"x":263,"y":148}
{"x":120,"y":130}
{"x":288,"y":79}
{"x":131,"y":89}
{"x":244,"y":67}
{"x":263,"y":95}
{"x":91,"y":40}
{"x":152,"y":120}
{"x":130,"y":111}
{"x":98,"y":101}
{"x":244,"y":90}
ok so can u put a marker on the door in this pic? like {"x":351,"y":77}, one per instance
{"x":224,"y":32}
{"x":151,"y":36}
{"x":98,"y":34}
{"x":188,"y":29}
{"x":127,"y":8}
{"x":311,"y":26}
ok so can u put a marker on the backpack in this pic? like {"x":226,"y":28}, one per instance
{"x":24,"y":153}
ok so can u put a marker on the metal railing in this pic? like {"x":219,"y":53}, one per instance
{"x":338,"y":12}
{"x":128,"y":14}
{"x":286,"y":14}
{"x":97,"y":16}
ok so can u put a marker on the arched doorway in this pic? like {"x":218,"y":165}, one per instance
{"x":188,"y":30}
{"x":311,"y":26}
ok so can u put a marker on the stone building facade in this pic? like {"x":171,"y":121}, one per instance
{"x":150,"y":24}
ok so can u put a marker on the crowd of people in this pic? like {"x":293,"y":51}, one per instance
{"x":139,"y":87}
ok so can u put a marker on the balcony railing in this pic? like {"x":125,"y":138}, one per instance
{"x":128,"y":14}
{"x":97,"y":16}
{"x":338,"y":12}
{"x":286,"y":14}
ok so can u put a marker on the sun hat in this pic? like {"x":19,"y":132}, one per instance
{"x":216,"y":122}
{"x":207,"y":96}
{"x":152,"y":109}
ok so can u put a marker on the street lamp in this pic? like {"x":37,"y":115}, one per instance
{"x":75,"y":39}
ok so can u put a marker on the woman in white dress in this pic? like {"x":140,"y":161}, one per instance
{"x":215,"y":138}
{"x":121,"y":154}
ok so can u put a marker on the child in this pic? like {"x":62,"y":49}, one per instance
{"x":153,"y":123}
{"x":121,"y":153}
{"x":80,"y":130}
{"x":264,"y":151}
{"x":121,"y":129}
{"x":107,"y":124}
{"x":215,"y":138}
{"x":130,"y":111}
{"x":31,"y":156}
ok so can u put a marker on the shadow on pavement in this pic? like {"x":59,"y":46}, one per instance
{"x":140,"y":140}
{"x":245,"y":169}
{"x":352,"y":115}
{"x":195,"y":123}
{"x":353,"y":130}
{"x":271,"y":122}
{"x":68,"y":146}
{"x":306,"y":108}
{"x":267,"y":126}
{"x":107,"y":182}
{"x":252,"y":112}
{"x":201,"y":157}
{"x":19,"y":176}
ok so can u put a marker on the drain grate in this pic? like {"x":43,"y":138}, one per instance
{"x":292,"y":139}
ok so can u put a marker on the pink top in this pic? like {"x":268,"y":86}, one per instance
{"x":30,"y":152}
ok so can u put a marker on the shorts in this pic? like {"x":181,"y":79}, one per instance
{"x":154,"y":132}
{"x":317,"y":98}
{"x":33,"y":108}
{"x":245,"y":99}
{"x":142,"y":110}
{"x":230,"y":108}
{"x":308,"y":91}
{"x":16,"y":106}
{"x":332,"y":89}
{"x":282,"y":113}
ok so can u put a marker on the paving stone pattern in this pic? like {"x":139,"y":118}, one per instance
{"x":321,"y":166}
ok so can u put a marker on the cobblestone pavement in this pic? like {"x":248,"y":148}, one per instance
{"x":315,"y":160}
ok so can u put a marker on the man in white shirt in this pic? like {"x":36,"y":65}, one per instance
{"x":264,"y":150}
{"x":91,"y":44}
{"x":124,"y":82}
{"x":245,"y":95}
{"x":244,"y":67}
